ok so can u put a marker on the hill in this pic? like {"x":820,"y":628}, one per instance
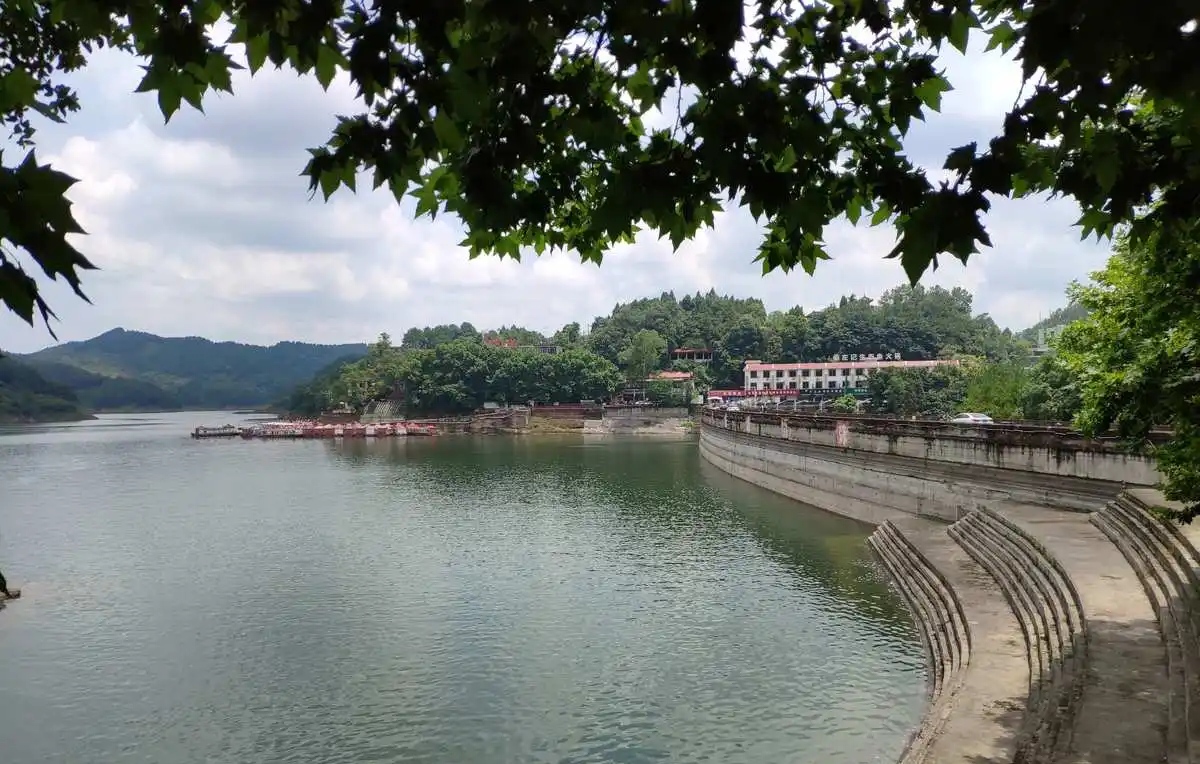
{"x":1059,"y":317}
{"x":123,"y":369}
{"x":452,"y":368}
{"x":100,"y":393}
{"x":27,"y":396}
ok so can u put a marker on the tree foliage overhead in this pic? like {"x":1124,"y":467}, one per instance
{"x":570,"y":124}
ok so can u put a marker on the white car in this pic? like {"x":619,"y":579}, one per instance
{"x":971,"y":418}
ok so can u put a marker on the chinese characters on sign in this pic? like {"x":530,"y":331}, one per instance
{"x":865,"y":357}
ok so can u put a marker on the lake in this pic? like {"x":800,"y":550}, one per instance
{"x":447,"y":600}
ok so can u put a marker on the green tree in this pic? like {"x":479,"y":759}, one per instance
{"x":1137,"y":352}
{"x":432,"y":336}
{"x":663,"y":393}
{"x":522,"y":335}
{"x":1052,"y":392}
{"x":528,"y":120}
{"x":844,"y":404}
{"x":459,"y":376}
{"x":645,"y":354}
{"x":935,"y":392}
{"x":791,"y":329}
{"x":568,"y":336}
{"x":996,"y":389}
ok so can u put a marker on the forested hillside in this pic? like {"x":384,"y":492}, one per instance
{"x":1059,"y":317}
{"x":27,"y":396}
{"x":454,"y":367}
{"x":917,"y":322}
{"x":98,"y":392}
{"x":134,"y":370}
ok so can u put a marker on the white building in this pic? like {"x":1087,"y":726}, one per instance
{"x":787,"y":379}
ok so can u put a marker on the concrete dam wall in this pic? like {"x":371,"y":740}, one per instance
{"x":877,"y":469}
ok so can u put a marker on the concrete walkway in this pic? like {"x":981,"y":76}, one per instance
{"x":1122,"y":712}
{"x":981,"y":722}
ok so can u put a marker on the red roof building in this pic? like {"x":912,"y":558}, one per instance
{"x":671,"y":376}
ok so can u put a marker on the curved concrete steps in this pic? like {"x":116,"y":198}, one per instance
{"x":978,"y":670}
{"x":1050,"y":613}
{"x":940,"y":622}
{"x":1166,"y":564}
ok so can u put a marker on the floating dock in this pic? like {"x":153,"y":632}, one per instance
{"x":316,"y":430}
{"x":225,"y":431}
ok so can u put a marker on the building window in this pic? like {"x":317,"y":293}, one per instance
{"x":791,"y":372}
{"x":818,"y":384}
{"x":817,"y":372}
{"x":778,"y":385}
{"x":804,"y":372}
{"x":806,"y":385}
{"x":753,"y":374}
{"x":845,"y":372}
{"x":791,"y":385}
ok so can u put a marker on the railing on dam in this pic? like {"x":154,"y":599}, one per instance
{"x":920,"y":466}
{"x":1020,"y":433}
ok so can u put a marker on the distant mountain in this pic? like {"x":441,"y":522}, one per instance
{"x":1059,"y":317}
{"x":100,"y":393}
{"x":130,"y":370}
{"x":27,"y":396}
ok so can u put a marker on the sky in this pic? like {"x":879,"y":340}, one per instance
{"x":204,"y":227}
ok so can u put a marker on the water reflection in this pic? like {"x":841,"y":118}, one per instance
{"x":653,"y":485}
{"x":451,"y":601}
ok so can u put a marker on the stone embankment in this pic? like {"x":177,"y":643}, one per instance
{"x":1056,"y":634}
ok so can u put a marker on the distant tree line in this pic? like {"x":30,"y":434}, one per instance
{"x":1047,"y":391}
{"x":27,"y":396}
{"x":452,"y":367}
{"x":461,"y":374}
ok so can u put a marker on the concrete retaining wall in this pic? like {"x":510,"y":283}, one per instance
{"x":873,"y":468}
{"x":646,"y":414}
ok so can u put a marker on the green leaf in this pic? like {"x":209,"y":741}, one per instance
{"x":447,"y":133}
{"x":1094,"y":221}
{"x":786,"y":160}
{"x":256,"y":52}
{"x":882,"y":214}
{"x":329,"y":180}
{"x":930,"y":92}
{"x":960,"y":29}
{"x":18,"y":89}
{"x":854,"y":209}
{"x":327,"y":65}
{"x":1105,"y":161}
{"x":1001,"y":36}
{"x":169,"y":98}
{"x":961,"y":158}
{"x":641,"y":87}
{"x":427,"y":202}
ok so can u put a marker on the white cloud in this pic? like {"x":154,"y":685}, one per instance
{"x":204,"y":227}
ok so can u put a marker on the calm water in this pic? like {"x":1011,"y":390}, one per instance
{"x":442,"y":601}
